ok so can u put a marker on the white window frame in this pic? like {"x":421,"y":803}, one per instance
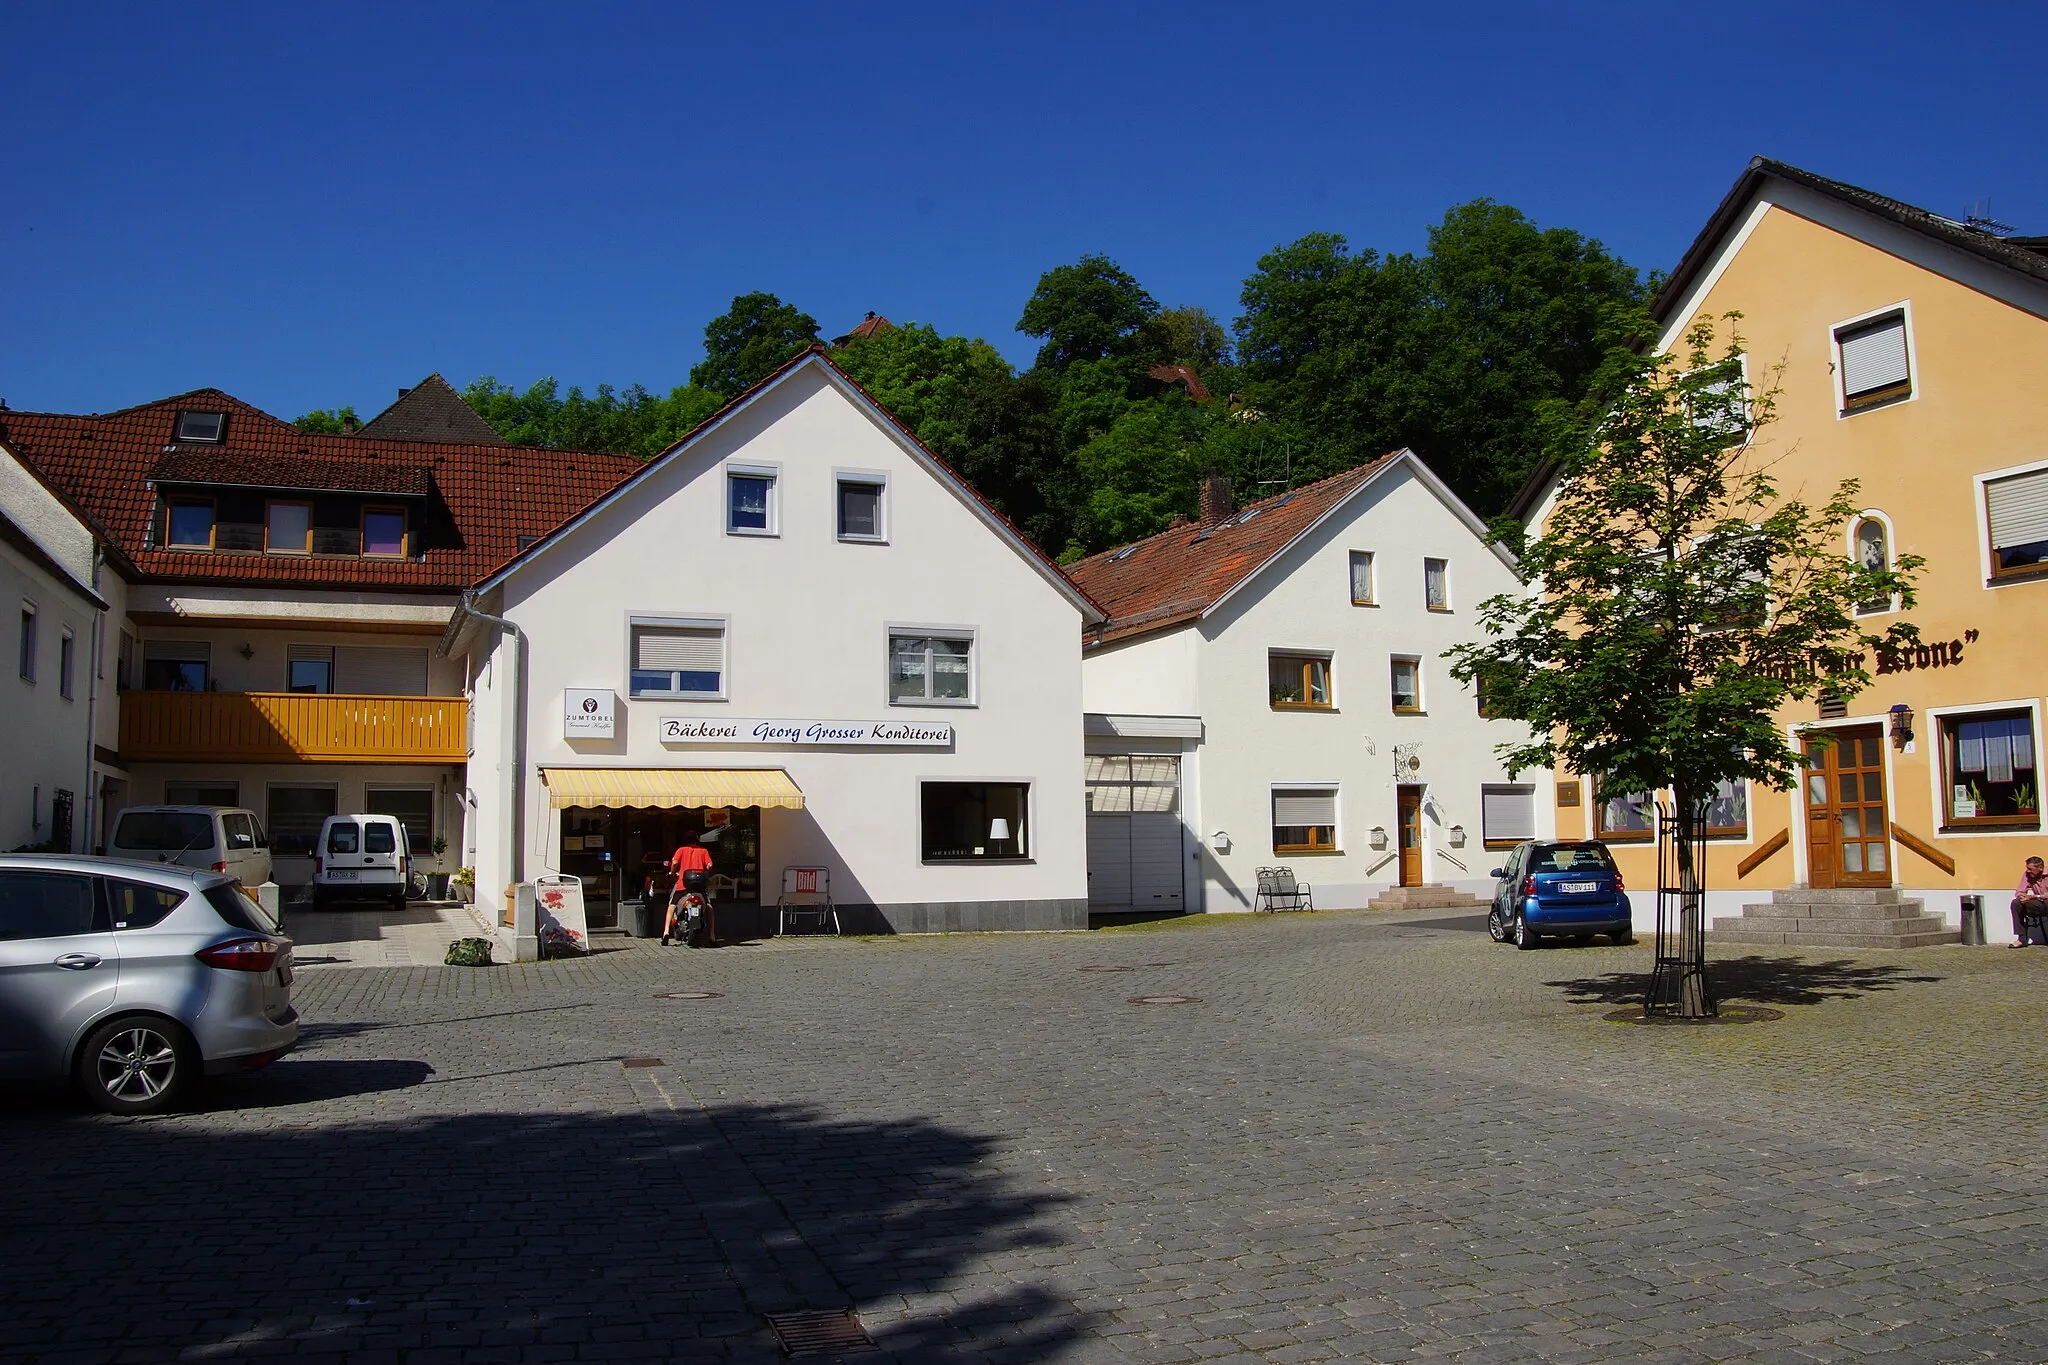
{"x":971,"y":634}
{"x":1937,"y":766}
{"x":1336,"y":791}
{"x":1444,"y":560}
{"x":872,"y":478}
{"x":671,"y":621}
{"x":1987,"y":554}
{"x":1372,"y":582}
{"x":773,"y":474}
{"x":29,"y":645}
{"x":1891,"y":551}
{"x":1742,"y":368}
{"x":1904,"y":308}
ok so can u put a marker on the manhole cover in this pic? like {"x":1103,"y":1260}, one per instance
{"x":690,"y":995}
{"x":1166,"y":1000}
{"x":1107,"y":969}
{"x":829,"y":1333}
{"x":634,"y":1062}
{"x":1730,"y":1014}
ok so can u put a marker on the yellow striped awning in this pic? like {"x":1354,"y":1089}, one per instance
{"x":669,"y":787}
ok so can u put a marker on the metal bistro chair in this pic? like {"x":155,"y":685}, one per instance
{"x":1279,"y":891}
{"x":806,"y":892}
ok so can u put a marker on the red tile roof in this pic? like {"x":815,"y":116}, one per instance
{"x":1182,"y":374}
{"x":484,"y":497}
{"x":431,"y":410}
{"x":302,"y":473}
{"x":1175,"y":576}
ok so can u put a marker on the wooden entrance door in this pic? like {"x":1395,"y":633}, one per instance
{"x":1848,"y":825}
{"x":1409,"y":808}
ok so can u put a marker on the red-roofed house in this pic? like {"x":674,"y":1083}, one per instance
{"x":269,"y":603}
{"x":1269,"y":690}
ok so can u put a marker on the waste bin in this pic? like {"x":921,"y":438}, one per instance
{"x":1973,"y":919}
{"x":640,"y":918}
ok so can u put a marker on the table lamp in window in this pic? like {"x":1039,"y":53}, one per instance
{"x":998,"y":832}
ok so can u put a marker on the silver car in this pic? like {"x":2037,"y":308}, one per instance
{"x":135,"y":979}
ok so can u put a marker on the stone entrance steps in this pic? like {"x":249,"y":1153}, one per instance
{"x":1429,"y":896}
{"x":1853,"y":917}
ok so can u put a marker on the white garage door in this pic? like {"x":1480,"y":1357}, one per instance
{"x":1134,"y":832}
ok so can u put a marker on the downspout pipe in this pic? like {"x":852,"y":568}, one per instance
{"x":513,"y":740}
{"x":88,"y":820}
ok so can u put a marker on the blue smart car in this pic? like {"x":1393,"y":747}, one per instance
{"x":1563,"y":889}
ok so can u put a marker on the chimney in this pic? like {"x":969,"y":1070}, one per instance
{"x":1216,"y":503}
{"x":403,"y":392}
{"x":349,"y":425}
{"x":1180,"y":519}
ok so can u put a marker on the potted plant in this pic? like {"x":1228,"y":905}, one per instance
{"x":437,"y":882}
{"x":464,"y":883}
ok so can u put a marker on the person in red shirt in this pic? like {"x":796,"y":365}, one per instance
{"x":690,"y":856}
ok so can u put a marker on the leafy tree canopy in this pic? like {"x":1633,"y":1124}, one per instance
{"x":1685,"y":598}
{"x":636,"y":421}
{"x":1088,"y":311}
{"x":328,"y":421}
{"x":744,"y":344}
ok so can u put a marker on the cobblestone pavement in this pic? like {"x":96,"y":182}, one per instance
{"x":1365,"y":1137}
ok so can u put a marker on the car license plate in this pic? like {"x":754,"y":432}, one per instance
{"x":341,"y":875}
{"x":1574,"y":888}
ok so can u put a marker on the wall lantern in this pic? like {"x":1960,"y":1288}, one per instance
{"x":1902,"y":725}
{"x":1457,"y":836}
{"x":247,"y":651}
{"x":1220,"y":841}
{"x":1378,"y":836}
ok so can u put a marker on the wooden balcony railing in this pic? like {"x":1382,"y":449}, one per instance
{"x":292,"y":726}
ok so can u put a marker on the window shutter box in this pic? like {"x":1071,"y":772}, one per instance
{"x":1292,"y":809}
{"x":678,"y":650}
{"x":1508,"y":813}
{"x":308,"y":654}
{"x":1874,"y":358}
{"x":2019,"y":509}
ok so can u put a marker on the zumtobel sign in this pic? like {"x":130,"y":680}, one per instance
{"x":874,"y":733}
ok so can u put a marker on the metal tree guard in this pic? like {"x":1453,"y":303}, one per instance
{"x":1681,"y":916}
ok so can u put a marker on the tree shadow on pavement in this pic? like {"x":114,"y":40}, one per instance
{"x":639,"y":1234}
{"x":1758,"y":980}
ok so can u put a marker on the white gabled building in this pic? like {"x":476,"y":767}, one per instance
{"x":799,"y":628}
{"x":1270,"y":690}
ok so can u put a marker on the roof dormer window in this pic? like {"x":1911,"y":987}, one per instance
{"x":201,"y":428}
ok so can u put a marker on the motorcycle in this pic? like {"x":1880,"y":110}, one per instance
{"x":690,"y":906}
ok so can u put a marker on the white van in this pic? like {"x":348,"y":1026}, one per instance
{"x":211,"y":838}
{"x":361,"y":858}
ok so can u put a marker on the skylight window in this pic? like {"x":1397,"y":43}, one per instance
{"x":1123,"y":554}
{"x":202,"y":428}
{"x":1247,"y":515}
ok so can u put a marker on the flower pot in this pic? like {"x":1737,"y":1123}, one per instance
{"x":437,"y":886}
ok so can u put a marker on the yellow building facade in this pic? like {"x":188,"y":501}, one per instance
{"x":1914,"y":354}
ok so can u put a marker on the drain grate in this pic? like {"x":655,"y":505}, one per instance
{"x":828,"y":1332}
{"x":1166,"y":1000}
{"x":1104,"y":969}
{"x":688,"y":995}
{"x":631,"y":1062}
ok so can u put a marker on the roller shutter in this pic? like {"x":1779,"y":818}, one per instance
{"x":363,"y":670}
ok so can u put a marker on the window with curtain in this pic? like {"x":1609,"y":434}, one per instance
{"x":933,"y":670}
{"x":1728,"y":810}
{"x":750,"y":502}
{"x":1406,"y":680}
{"x":683,"y":658}
{"x":1992,"y":775}
{"x":384,"y":532}
{"x":1361,"y":578}
{"x":288,"y":528}
{"x":1298,"y":681}
{"x":1436,"y":584}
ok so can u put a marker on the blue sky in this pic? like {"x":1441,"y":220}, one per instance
{"x":311,"y":206}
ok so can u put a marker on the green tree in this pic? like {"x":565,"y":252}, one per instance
{"x":1185,"y":336}
{"x":1678,"y":600}
{"x":1090,"y":310}
{"x":635,"y":422}
{"x":745,"y":344}
{"x":328,"y":421}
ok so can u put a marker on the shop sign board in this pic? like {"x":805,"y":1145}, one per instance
{"x":588,"y":714}
{"x":896,"y":734}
